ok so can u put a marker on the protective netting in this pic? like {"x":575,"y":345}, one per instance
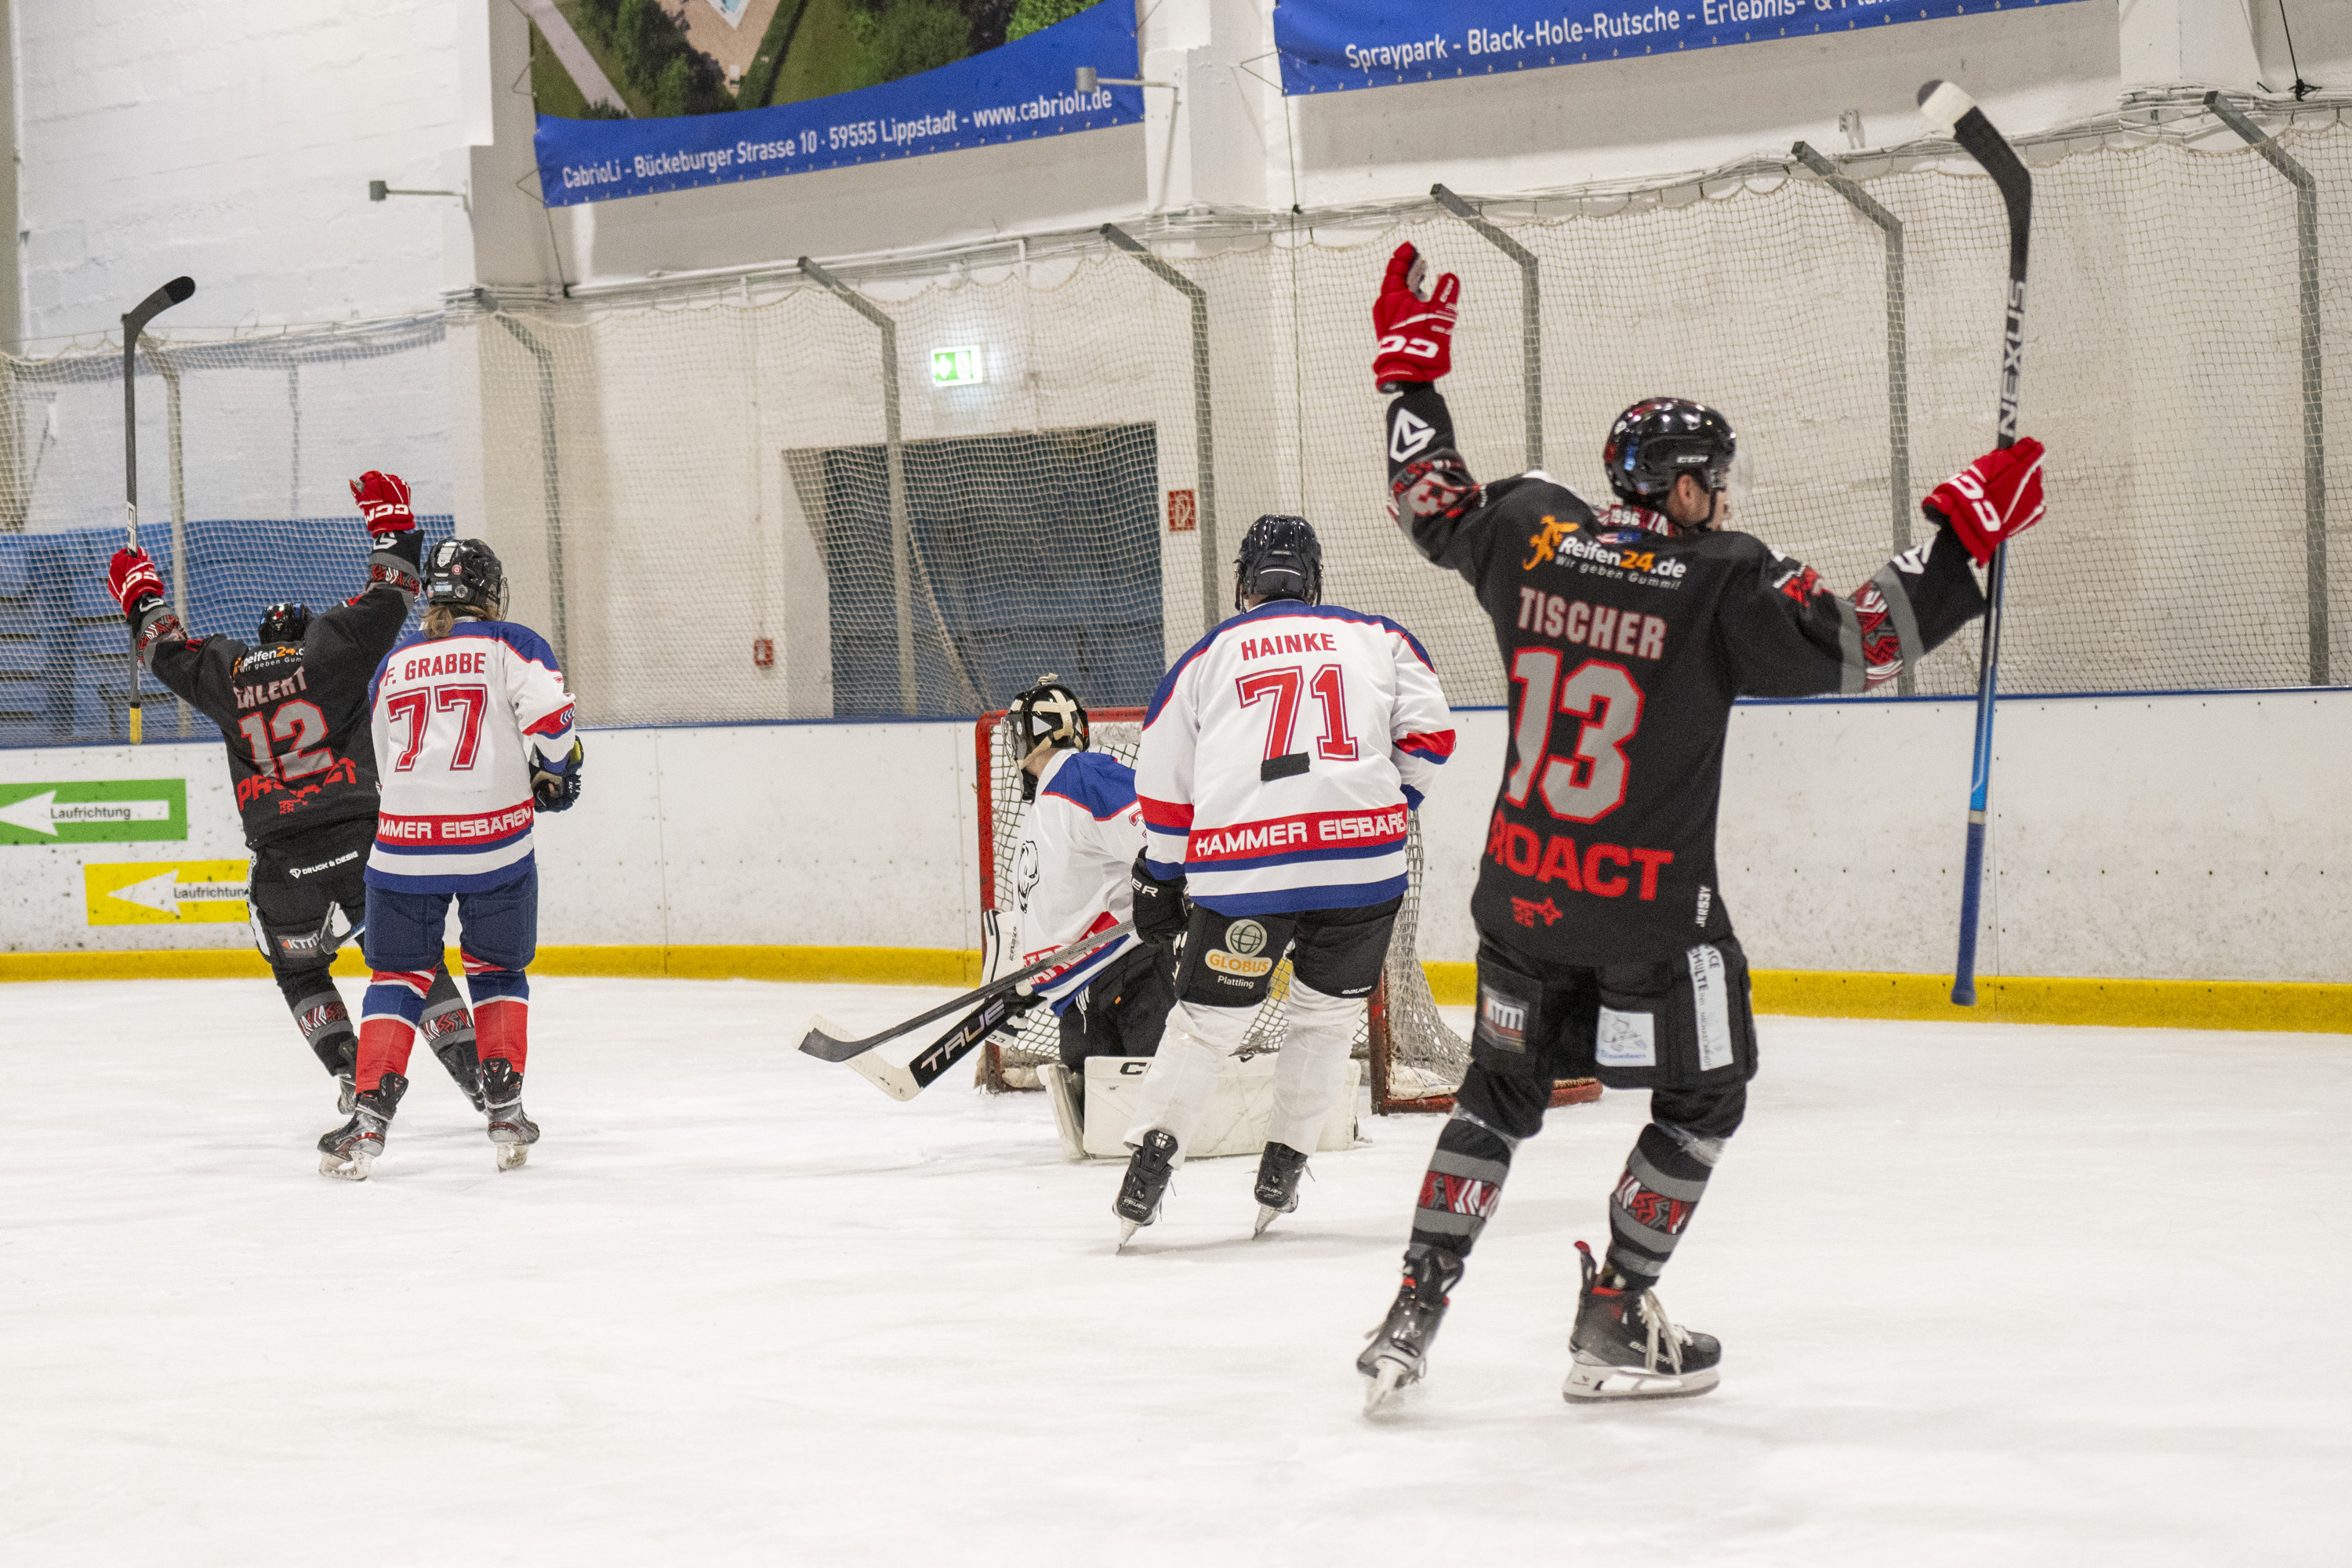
{"x":244,"y":450}
{"x":720,"y":507}
{"x":1413,"y":1054}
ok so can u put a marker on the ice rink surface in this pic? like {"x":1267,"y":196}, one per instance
{"x":1988,"y":1294}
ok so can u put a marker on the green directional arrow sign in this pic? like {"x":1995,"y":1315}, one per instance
{"x":93,"y":811}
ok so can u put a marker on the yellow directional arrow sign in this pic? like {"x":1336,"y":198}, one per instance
{"x":165,"y":892}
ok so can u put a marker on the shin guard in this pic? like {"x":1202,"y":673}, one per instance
{"x":1464,"y":1184}
{"x":1664,"y":1177}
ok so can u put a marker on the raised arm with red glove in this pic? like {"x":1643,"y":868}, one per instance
{"x":1415,"y":323}
{"x":390,"y":521}
{"x":1993,"y":500}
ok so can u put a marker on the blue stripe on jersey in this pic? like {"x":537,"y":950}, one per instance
{"x":1290,"y":900}
{"x":1298,"y":857}
{"x":1275,"y":610}
{"x":1065,"y":989}
{"x":1097,"y":782}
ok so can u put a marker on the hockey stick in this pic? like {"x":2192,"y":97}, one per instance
{"x":827,"y":1047}
{"x":134,"y":321}
{"x":1955,"y":111}
{"x":905,"y":1082}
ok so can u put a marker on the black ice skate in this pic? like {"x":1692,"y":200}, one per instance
{"x":511,"y":1130}
{"x":458,"y":1060}
{"x":346,"y":1093}
{"x":1398,"y":1351}
{"x":1626,"y":1349}
{"x":1278,"y":1169}
{"x":352,"y":1149}
{"x":1145,"y":1184}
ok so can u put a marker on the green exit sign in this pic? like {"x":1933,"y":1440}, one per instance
{"x":957,"y":367}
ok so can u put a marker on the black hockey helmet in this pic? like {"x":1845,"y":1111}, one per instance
{"x":1280,"y":559}
{"x":1660,"y":438}
{"x":1048,"y":713}
{"x":463,"y":574}
{"x":283,"y":623}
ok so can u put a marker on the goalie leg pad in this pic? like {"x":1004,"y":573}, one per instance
{"x":1310,"y":1071}
{"x":1183,"y":1077}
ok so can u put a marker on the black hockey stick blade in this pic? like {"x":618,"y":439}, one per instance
{"x":178,"y":291}
{"x":828,"y":1048}
{"x":905,"y":1082}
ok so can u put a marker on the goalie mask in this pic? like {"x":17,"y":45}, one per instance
{"x":464,"y":575}
{"x":1280,"y":559}
{"x":1659,"y":439}
{"x":1048,"y":713}
{"x":283,"y":623}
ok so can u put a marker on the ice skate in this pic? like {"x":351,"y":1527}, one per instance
{"x":457,"y":1058}
{"x":1627,"y":1349}
{"x":352,"y":1149}
{"x":1278,"y":1169}
{"x":1147,"y":1170}
{"x":511,"y":1130}
{"x":346,"y":1093}
{"x":1398,"y":1349}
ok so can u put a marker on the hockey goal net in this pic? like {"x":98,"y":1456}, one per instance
{"x":1413,"y":1058}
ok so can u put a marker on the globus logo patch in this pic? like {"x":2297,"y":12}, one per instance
{"x":1224,"y":963}
{"x":1245,"y":937}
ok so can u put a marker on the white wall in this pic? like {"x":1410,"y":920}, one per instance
{"x":2146,"y":836}
{"x":233,"y":142}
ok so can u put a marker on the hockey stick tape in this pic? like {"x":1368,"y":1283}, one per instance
{"x":1945,"y":103}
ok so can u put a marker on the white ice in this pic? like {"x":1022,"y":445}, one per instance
{"x":1987,"y":1294}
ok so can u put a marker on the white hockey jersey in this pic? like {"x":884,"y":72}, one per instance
{"x":1281,"y":755}
{"x":458,"y":723}
{"x":1071,"y":870}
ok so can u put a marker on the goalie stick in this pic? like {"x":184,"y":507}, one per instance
{"x":905,"y":1082}
{"x":1955,"y":110}
{"x":825,"y":1046}
{"x":134,"y":321}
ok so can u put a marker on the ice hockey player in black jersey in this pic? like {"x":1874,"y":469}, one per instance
{"x":293,"y":711}
{"x":1604,"y":944}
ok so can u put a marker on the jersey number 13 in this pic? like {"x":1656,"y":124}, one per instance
{"x":1586,"y":782}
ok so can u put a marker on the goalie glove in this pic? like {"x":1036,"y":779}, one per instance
{"x":1416,"y":329}
{"x":1159,"y":913}
{"x":383,"y":504}
{"x":556,"y":788}
{"x":1991,"y":501}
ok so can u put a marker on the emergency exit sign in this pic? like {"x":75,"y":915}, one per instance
{"x":957,"y":367}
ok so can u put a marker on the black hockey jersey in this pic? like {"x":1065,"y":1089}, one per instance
{"x":1625,"y":646}
{"x":294,"y":715}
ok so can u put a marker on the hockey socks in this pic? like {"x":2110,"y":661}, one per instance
{"x":501,"y":1011}
{"x":1664,"y":1177}
{"x":326,"y":1024}
{"x":388,"y":1020}
{"x":1464,"y":1184}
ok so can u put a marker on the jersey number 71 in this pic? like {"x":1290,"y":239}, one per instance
{"x":1284,"y":686}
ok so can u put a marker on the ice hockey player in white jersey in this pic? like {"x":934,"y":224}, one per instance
{"x":1280,"y":758}
{"x":473,"y":738}
{"x":1081,"y":830}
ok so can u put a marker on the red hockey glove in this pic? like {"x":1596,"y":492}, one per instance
{"x":1416,"y":329}
{"x":383,"y":502}
{"x":131,"y":577}
{"x":1993,"y":500}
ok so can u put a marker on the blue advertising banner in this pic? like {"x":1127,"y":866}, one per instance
{"x":1333,"y":46}
{"x":1013,"y":92}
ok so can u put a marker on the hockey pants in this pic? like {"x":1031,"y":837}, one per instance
{"x":498,"y":936}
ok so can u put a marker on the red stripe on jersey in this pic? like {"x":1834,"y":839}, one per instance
{"x":1290,"y":835}
{"x":555,"y":723}
{"x":478,"y":827}
{"x":1165,"y":813}
{"x":1439,"y":745}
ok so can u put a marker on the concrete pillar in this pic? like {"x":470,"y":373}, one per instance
{"x":2187,"y":43}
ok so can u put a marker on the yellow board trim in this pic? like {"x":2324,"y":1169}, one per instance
{"x":2012,"y":999}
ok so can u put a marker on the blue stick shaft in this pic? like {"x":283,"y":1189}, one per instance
{"x":1964,"y":968}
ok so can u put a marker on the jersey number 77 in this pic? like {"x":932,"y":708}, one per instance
{"x":415,"y":710}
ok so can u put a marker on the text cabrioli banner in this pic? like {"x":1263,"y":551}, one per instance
{"x":1015,"y":93}
{"x":1334,"y":45}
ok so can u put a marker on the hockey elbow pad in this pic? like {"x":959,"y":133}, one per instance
{"x":1159,"y":913}
{"x":555,"y":790}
